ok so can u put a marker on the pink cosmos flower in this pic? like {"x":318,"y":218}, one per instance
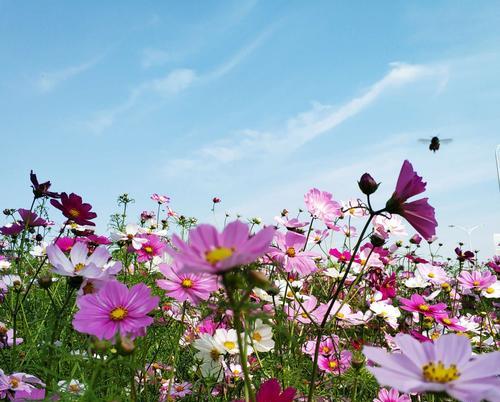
{"x":160,"y":199}
{"x":341,"y":256}
{"x":310,"y":309}
{"x":328,"y":345}
{"x":419,"y":305}
{"x":335,"y":364}
{"x":476,"y":279}
{"x":186,"y":285}
{"x":444,"y":366}
{"x":321,"y":205}
{"x":391,"y":395}
{"x":212,"y":252}
{"x":115,"y":309}
{"x":177,"y":390}
{"x":270,"y":391}
{"x":433,"y":273}
{"x":292,"y":224}
{"x":418,"y":213}
{"x":152,"y":247}
{"x":11,"y":385}
{"x":450,"y":323}
{"x":75,"y":209}
{"x":290,"y":255}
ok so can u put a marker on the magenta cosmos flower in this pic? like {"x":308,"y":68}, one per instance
{"x":444,"y":366}
{"x":271,"y":391}
{"x":73,"y":208}
{"x":14,"y":384}
{"x":418,"y":304}
{"x":290,"y":253}
{"x":186,"y":285}
{"x":115,"y":309}
{"x":418,"y":213}
{"x":150,"y":248}
{"x":335,"y":364}
{"x":321,"y":205}
{"x":212,"y":252}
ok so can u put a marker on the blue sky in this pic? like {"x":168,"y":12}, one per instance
{"x":252,"y":101}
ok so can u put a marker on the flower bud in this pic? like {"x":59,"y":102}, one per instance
{"x":376,"y":240}
{"x":45,"y":281}
{"x":367,"y":184}
{"x":259,"y":279}
{"x":75,"y":281}
{"x":125,"y":346}
{"x":415,"y":239}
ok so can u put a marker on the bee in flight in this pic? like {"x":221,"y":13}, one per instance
{"x":435,"y":142}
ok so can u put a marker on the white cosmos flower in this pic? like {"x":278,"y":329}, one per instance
{"x":229,"y":341}
{"x":416,"y":282}
{"x":262,"y":337}
{"x":130,"y":234}
{"x":492,"y":291}
{"x":389,"y":313}
{"x":74,"y":387}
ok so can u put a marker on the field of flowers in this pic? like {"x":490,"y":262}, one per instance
{"x":319,"y":305}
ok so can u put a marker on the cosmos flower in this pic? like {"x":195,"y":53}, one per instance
{"x":152,"y":247}
{"x":177,"y":390}
{"x":391,"y":395}
{"x":186,"y":285}
{"x":321,"y":205}
{"x":385,"y":226}
{"x":450,"y":323}
{"x":476,"y":279}
{"x":160,"y":199}
{"x":492,"y":291}
{"x":271,"y":391}
{"x":131,"y":235}
{"x":418,"y":213}
{"x":419,"y":305}
{"x":262,"y":337}
{"x":290,"y":254}
{"x":444,"y":366}
{"x":464,"y":255}
{"x":327,"y":346}
{"x":342,"y":256}
{"x":335,"y":364}
{"x":212,"y":252}
{"x":41,"y":189}
{"x":73,"y":208}
{"x":81,"y":264}
{"x":305,"y":311}
{"x":14,"y":384}
{"x":115,"y":309}
{"x":433,"y":273}
{"x":73,"y":387}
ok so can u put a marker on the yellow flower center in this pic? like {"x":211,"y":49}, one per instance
{"x":14,"y":382}
{"x":218,"y":254}
{"x":75,"y":213}
{"x":423,"y":307}
{"x":229,"y":345}
{"x":437,"y":372}
{"x":447,"y":321}
{"x":446,"y":286}
{"x":187,"y":283}
{"x":475,"y":283}
{"x":290,"y":251}
{"x":431,"y":275}
{"x":79,"y":267}
{"x":340,"y":315}
{"x":148,"y":249}
{"x":332,"y":364}
{"x":74,"y":388}
{"x":325,"y":349}
{"x":490,"y":291}
{"x":118,"y":314}
{"x":256,"y":336}
{"x":179,"y":388}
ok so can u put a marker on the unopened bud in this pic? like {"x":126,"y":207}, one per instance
{"x":45,"y":281}
{"x":125,"y":346}
{"x":259,"y":279}
{"x":376,"y":240}
{"x":367,"y":184}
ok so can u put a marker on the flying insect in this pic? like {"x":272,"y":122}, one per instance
{"x":435,"y":142}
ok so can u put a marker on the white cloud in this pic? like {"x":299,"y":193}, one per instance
{"x":174,"y":82}
{"x":48,"y":81}
{"x":310,"y":124}
{"x":155,"y":57}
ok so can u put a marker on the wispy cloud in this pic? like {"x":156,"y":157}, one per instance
{"x":48,"y":81}
{"x":308,"y":125}
{"x":172,"y":83}
{"x":152,"y":57}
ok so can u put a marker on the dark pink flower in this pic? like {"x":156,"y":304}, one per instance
{"x":418,"y":213}
{"x":75,"y":209}
{"x":41,"y":189}
{"x":419,"y":305}
{"x":151,"y":248}
{"x":270,"y":391}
